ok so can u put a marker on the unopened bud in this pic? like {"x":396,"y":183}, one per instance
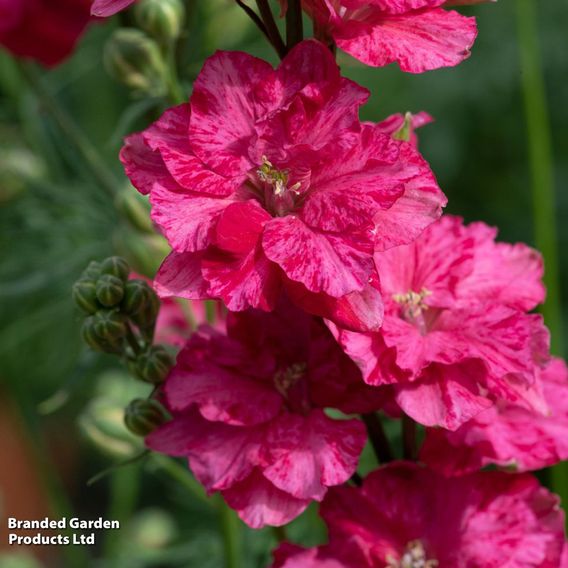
{"x":135,"y":208}
{"x":137,"y":296}
{"x":116,"y":266}
{"x":143,"y":416}
{"x":92,"y":272}
{"x":405,"y":131}
{"x":162,"y":19}
{"x":146,"y":318}
{"x":134,"y":59}
{"x":110,"y":290}
{"x":95,"y":341}
{"x":109,"y":325}
{"x":85,"y":295}
{"x":153,"y":365}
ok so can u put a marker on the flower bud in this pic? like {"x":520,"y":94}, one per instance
{"x":137,"y":295}
{"x":153,"y":365}
{"x":110,"y":290}
{"x":116,"y":266}
{"x":145,"y":319}
{"x":95,"y":341}
{"x":92,"y":272}
{"x":405,"y":131}
{"x":162,"y":19}
{"x":135,"y":208}
{"x":109,"y":325}
{"x":85,"y":295}
{"x":134,"y":59}
{"x":143,"y":416}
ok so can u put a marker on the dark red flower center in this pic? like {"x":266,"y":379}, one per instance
{"x":292,"y":384}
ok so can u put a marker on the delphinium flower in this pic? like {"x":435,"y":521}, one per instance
{"x":456,"y":335}
{"x":267,"y":180}
{"x":507,"y":435}
{"x":248,"y":412}
{"x":105,"y":8}
{"x":44,"y":30}
{"x":419,"y":35}
{"x":406,"y":516}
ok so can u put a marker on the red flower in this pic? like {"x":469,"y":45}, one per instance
{"x":104,"y":8}
{"x":419,"y":35}
{"x":407,"y":516}
{"x":267,"y":180}
{"x":507,"y":435}
{"x":248,"y":413}
{"x":44,"y":30}
{"x":456,"y":335}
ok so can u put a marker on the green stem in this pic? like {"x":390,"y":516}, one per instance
{"x":181,"y":475}
{"x":378,"y":437}
{"x":542,"y":172}
{"x":294,"y":24}
{"x":231,"y":530}
{"x":93,"y":161}
{"x":271,"y":27}
{"x":124,"y":489}
{"x":175,"y":91}
{"x":408,"y":438}
{"x":541,"y":162}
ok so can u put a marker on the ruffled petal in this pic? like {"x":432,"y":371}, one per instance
{"x":180,"y":275}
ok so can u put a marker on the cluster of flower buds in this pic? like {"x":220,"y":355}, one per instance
{"x":138,"y":57}
{"x":115,"y":305}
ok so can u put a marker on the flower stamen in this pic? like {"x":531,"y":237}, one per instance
{"x":414,"y":557}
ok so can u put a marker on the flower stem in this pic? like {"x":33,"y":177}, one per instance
{"x":541,"y":162}
{"x":408,"y":438}
{"x":231,"y":529}
{"x":294,"y":24}
{"x":91,"y":158}
{"x":254,"y":17}
{"x":271,"y":27}
{"x":542,"y":171}
{"x":378,"y":438}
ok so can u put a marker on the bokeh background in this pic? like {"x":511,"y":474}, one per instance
{"x":60,"y":405}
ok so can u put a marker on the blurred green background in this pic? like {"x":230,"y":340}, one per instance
{"x":61,"y":403}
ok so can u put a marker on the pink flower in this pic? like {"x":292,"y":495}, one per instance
{"x":105,"y":8}
{"x":455,"y":336}
{"x":44,"y":30}
{"x":268,"y":181}
{"x":507,"y":435}
{"x":248,"y":413}
{"x":419,"y":35}
{"x":405,"y":515}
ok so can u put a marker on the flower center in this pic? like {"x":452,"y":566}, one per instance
{"x":279,"y":197}
{"x":413,"y":306}
{"x":414,"y":557}
{"x":290,"y":384}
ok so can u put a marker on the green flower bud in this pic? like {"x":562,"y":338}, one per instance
{"x":153,"y":365}
{"x":143,"y":416}
{"x":109,"y":325}
{"x":134,"y":59}
{"x":405,"y":131}
{"x":137,"y":296}
{"x":145,"y":319}
{"x":162,"y":19}
{"x":85,"y":295}
{"x":116,"y":266}
{"x":95,"y":341}
{"x":110,"y":290}
{"x":92,"y":272}
{"x":135,"y":208}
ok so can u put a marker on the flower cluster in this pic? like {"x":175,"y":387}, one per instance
{"x":345,"y":295}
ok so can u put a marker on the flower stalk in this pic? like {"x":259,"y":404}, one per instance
{"x":378,"y":437}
